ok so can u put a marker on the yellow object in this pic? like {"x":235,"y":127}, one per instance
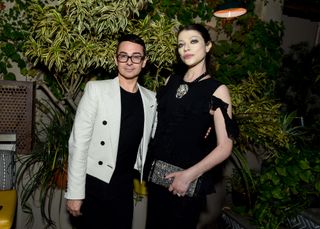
{"x":140,"y":188}
{"x":8,"y":202}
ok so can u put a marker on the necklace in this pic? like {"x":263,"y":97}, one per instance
{"x":183,"y":88}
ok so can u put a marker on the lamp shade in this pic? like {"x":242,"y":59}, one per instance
{"x":230,"y":9}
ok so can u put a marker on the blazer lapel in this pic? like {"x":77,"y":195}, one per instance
{"x":149,"y":107}
{"x":113,"y":111}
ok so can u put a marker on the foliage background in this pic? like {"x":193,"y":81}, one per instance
{"x":69,"y":43}
{"x":14,"y":25}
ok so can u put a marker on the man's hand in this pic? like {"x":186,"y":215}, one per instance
{"x":73,"y":207}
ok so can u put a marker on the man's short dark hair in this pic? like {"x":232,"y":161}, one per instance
{"x":132,"y":38}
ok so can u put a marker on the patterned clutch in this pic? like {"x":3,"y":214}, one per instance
{"x":160,"y":169}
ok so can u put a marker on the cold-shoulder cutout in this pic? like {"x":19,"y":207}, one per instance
{"x":231,"y":126}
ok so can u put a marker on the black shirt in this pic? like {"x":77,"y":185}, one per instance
{"x":131,"y":131}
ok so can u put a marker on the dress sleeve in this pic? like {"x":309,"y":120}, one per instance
{"x":231,"y":125}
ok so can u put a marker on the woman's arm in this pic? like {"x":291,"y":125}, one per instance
{"x":220,"y":153}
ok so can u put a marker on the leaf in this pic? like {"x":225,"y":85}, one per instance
{"x":317,"y":186}
{"x":282,"y":171}
{"x":304,"y":164}
{"x":305,"y":176}
{"x":277,"y":193}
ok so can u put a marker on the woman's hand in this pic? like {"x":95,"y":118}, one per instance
{"x":180,"y":184}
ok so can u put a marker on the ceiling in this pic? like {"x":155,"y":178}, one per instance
{"x":303,"y":9}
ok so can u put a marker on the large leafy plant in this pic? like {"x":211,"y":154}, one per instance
{"x":252,"y":45}
{"x":290,"y":176}
{"x":184,"y":10}
{"x":257,"y":115}
{"x":290,"y":183}
{"x":72,"y":39}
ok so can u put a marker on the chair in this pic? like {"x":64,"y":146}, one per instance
{"x":8,"y":193}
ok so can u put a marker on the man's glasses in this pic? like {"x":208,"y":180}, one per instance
{"x":136,"y":58}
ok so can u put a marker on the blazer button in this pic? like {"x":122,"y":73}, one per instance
{"x":104,"y":122}
{"x":102,"y":143}
{"x":100,"y":162}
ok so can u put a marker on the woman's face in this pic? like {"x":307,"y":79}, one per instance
{"x":192,"y":47}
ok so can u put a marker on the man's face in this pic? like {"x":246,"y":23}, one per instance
{"x":130,"y":60}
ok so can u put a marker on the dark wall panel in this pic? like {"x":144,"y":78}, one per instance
{"x":17,"y":112}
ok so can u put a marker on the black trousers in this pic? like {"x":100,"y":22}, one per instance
{"x":108,"y":206}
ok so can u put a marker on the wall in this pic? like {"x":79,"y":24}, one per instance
{"x":296,"y":29}
{"x":271,"y":11}
{"x":299,"y":30}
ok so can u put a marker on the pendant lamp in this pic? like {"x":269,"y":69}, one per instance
{"x":230,"y":9}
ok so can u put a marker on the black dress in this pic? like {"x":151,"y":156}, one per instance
{"x":179,"y":140}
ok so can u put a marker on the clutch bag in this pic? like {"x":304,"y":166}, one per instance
{"x":160,"y":169}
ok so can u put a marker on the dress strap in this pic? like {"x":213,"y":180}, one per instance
{"x":231,"y":125}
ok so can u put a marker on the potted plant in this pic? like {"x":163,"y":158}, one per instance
{"x":45,"y":169}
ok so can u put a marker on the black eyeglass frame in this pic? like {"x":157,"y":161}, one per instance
{"x":130,"y":57}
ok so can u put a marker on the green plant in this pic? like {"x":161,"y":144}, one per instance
{"x":289,"y":183}
{"x":286,"y":185}
{"x":14,"y":24}
{"x":184,"y":10}
{"x":251,"y":46}
{"x":75,"y":40}
{"x":291,"y":180}
{"x":44,"y":170}
{"x":257,"y":115}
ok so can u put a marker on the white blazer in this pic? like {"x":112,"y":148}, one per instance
{"x":93,"y":143}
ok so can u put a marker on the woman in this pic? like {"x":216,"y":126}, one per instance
{"x":188,"y":106}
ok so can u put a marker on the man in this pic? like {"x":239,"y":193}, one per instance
{"x":109,"y":139}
